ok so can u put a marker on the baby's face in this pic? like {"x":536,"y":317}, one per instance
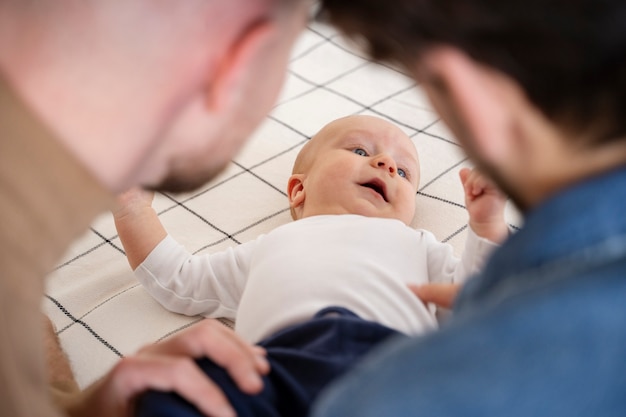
{"x":362,"y":165}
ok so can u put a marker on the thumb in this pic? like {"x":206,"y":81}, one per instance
{"x":443,"y":295}
{"x":464,"y":174}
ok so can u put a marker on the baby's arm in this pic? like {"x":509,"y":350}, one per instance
{"x":138,"y":225}
{"x":210,"y":285}
{"x":485,"y":205}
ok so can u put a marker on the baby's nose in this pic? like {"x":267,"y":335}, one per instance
{"x":386,"y":162}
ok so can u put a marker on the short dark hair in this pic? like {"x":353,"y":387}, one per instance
{"x":568,"y":55}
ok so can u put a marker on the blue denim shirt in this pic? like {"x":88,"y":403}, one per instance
{"x":541,"y":332}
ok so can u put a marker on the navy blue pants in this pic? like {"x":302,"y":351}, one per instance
{"x":303,"y":358}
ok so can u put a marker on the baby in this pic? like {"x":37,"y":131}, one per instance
{"x":319,"y":292}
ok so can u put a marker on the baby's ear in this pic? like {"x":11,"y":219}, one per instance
{"x":295,"y":191}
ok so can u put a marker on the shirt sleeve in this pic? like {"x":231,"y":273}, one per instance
{"x":445,"y":267}
{"x":210,"y":284}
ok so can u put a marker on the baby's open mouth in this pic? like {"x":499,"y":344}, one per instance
{"x":377,"y":186}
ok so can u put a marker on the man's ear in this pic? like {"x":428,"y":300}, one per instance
{"x":296,"y":194}
{"x":236,"y":70}
{"x":478,"y":103}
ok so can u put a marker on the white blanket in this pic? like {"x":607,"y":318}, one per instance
{"x":100,"y":310}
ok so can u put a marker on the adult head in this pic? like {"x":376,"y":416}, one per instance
{"x":356,"y":165}
{"x":156,"y":93}
{"x":535,"y":90}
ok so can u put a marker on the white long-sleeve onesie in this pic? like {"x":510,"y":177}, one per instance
{"x":286,"y":276}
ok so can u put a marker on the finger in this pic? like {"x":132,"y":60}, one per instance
{"x":139,"y":373}
{"x":486,"y":184}
{"x":214,"y":340}
{"x":464,"y":174}
{"x":235,"y":345}
{"x":259,"y":351}
{"x":132,"y":200}
{"x":241,"y":360}
{"x":472,"y":182}
{"x":478,"y":184}
{"x":442,"y":295}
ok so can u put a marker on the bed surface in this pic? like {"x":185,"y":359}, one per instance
{"x":102,"y":313}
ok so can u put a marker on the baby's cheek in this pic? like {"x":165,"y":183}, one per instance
{"x":407,"y":210}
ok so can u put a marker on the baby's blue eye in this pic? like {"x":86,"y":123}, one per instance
{"x":401,"y":172}
{"x":360,"y":151}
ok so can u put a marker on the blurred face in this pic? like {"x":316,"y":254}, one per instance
{"x":208,"y":132}
{"x":361,"y":165}
{"x":169,"y":90}
{"x":473,"y":123}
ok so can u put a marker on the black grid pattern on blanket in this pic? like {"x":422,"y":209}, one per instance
{"x":100,"y":310}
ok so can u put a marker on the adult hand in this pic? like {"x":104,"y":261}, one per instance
{"x":442,"y":295}
{"x":169,"y":366}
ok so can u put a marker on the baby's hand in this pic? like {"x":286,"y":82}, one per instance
{"x":133,"y":202}
{"x":138,"y":225}
{"x":485,"y":205}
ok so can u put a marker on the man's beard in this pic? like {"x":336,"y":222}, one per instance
{"x":178,"y":182}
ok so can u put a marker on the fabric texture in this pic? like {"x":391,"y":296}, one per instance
{"x":286,"y":276}
{"x":303,"y":359}
{"x":539,"y":333}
